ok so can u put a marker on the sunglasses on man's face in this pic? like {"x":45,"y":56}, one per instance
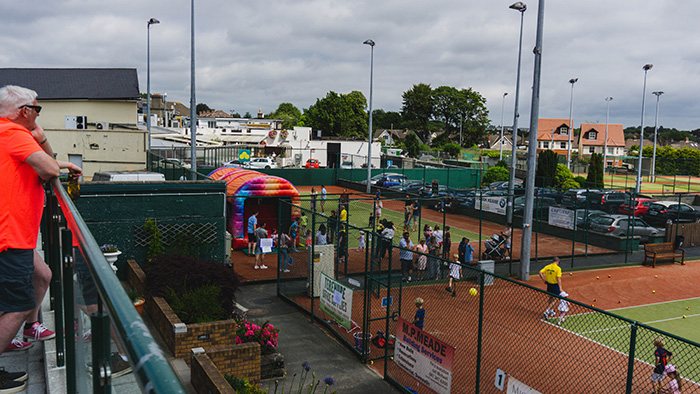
{"x":36,"y":108}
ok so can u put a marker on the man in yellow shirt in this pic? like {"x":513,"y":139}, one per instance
{"x":551,"y":275}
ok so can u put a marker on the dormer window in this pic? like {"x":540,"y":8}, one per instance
{"x":564,"y":130}
{"x":593,"y":135}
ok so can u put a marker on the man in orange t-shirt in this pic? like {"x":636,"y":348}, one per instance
{"x":26,"y":160}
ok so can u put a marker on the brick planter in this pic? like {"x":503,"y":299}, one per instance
{"x":209,"y":367}
{"x":178,"y":336}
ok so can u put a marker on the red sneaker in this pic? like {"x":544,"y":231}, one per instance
{"x":16,"y":345}
{"x":38,"y":332}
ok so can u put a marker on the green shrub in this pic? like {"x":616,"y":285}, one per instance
{"x":199,"y":305}
{"x":494,"y":174}
{"x":581,"y":180}
{"x":570,"y":184}
{"x":243,"y":386}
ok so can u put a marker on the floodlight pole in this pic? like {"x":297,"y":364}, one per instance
{"x":656,"y":131}
{"x":572,"y":81}
{"x":638,"y":185}
{"x":369,"y":146}
{"x":532,"y":150}
{"x":193,"y":105}
{"x":605,"y":145}
{"x":520,"y":7}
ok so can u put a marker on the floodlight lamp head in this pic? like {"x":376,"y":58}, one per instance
{"x":659,"y":93}
{"x":647,"y":67}
{"x":369,"y":42}
{"x":573,"y":80}
{"x":153,"y":21}
{"x":518,"y":6}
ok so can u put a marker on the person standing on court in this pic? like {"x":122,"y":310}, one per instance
{"x":252,"y":225}
{"x":24,"y":165}
{"x":406,"y":256}
{"x":323,"y":198}
{"x":551,"y":276}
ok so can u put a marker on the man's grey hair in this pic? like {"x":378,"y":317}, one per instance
{"x":12,"y":97}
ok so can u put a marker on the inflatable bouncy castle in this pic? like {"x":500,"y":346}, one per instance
{"x":249,"y":191}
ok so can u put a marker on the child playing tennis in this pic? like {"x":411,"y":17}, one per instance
{"x":563,"y":307}
{"x":662,"y":358}
{"x":419,"y":318}
{"x":455,"y":275}
{"x":675,"y":385}
{"x":361,"y":242}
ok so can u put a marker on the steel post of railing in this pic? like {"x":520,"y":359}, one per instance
{"x":631,"y":359}
{"x":101,"y":350}
{"x":68,"y":307}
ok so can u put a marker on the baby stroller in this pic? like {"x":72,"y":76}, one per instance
{"x":495,"y":248}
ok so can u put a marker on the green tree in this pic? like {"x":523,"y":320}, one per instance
{"x":411,"y":145}
{"x":547,"y":162}
{"x":562,"y":175}
{"x":595,"y":171}
{"x":247,"y":115}
{"x":201,"y":107}
{"x":339,"y":115}
{"x":288,"y":113}
{"x":452,"y":149}
{"x":387,"y":120}
{"x":418,"y":106}
{"x":494,"y":174}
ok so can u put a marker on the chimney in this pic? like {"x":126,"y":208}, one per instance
{"x":260,"y":114}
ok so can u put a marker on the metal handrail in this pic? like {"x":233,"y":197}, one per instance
{"x":151,"y":368}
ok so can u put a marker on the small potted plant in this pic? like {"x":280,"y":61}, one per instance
{"x":111,"y":253}
{"x":137,"y":299}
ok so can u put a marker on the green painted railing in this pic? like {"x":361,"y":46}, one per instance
{"x":152,"y":371}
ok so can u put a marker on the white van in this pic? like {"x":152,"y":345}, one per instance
{"x":128,"y":176}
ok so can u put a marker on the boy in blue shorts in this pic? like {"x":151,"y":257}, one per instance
{"x":661,"y":357}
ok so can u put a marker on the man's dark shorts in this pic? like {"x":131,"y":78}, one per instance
{"x":553,"y":288}
{"x":85,"y":281}
{"x":406,"y":265}
{"x":16,"y":285}
{"x":252,"y":238}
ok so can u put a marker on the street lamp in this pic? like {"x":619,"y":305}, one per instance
{"x":572,"y":81}
{"x":152,"y":21}
{"x":503,"y":106}
{"x":520,"y":7}
{"x":638,"y":186}
{"x":656,"y":130}
{"x":605,"y":145}
{"x":369,"y":146}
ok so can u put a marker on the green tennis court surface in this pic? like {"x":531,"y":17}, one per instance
{"x":680,"y":318}
{"x":359,"y":212}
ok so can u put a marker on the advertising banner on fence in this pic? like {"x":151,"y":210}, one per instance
{"x":336,"y":300}
{"x":562,"y":217}
{"x":492,"y":204}
{"x":424,"y":357}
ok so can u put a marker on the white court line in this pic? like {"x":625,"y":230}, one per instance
{"x":673,"y":318}
{"x":656,"y":303}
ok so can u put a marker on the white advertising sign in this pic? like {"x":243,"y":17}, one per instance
{"x":493,"y":204}
{"x":517,"y":387}
{"x":336,"y":301}
{"x":561,"y":217}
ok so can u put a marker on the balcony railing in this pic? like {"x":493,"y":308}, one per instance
{"x":87,"y":360}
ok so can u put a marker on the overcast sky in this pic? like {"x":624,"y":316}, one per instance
{"x":257,"y":54}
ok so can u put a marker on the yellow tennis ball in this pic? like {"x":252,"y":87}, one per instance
{"x":653,"y":291}
{"x":597,"y":277}
{"x":684,"y":316}
{"x":472,"y":291}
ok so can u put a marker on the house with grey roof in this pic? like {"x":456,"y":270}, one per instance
{"x":89,"y":114}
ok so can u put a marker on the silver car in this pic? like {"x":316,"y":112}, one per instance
{"x":619,"y":225}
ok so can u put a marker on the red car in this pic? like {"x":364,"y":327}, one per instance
{"x":312,"y":163}
{"x":641,"y":206}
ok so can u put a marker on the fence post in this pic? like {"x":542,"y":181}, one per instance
{"x":481,"y":330}
{"x":630,"y":360}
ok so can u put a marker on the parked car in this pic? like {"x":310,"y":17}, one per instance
{"x":575,"y":198}
{"x":608,"y":201}
{"x":503,"y":185}
{"x":621,"y":225}
{"x":661,"y":212}
{"x":312,"y":163}
{"x":347,"y":165}
{"x":584,"y":217}
{"x":234,"y":163}
{"x":391,"y":179}
{"x":261,"y":162}
{"x":550,"y":192}
{"x":640,"y":206}
{"x":540,"y":209}
{"x":128,"y":176}
{"x":410,"y":186}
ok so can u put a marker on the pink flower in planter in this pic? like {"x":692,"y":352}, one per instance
{"x":270,"y":343}
{"x":238,"y":341}
{"x":249,"y":333}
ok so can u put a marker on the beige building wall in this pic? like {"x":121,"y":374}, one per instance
{"x":53,"y":114}
{"x":101,"y":150}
